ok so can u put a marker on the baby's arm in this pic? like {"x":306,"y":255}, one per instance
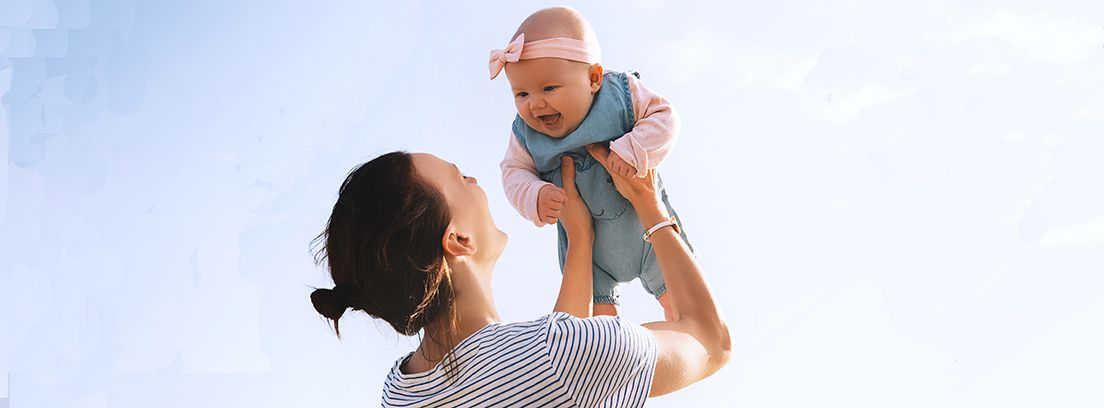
{"x":537,"y":200}
{"x":654,"y":134}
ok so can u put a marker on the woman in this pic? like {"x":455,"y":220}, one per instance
{"x":411,"y":241}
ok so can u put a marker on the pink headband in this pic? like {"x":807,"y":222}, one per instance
{"x":559,"y":47}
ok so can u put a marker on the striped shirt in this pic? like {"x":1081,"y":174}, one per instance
{"x":555,"y":361}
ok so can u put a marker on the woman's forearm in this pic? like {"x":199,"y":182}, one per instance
{"x":695,"y":343}
{"x":690,"y":293}
{"x":577,"y":287}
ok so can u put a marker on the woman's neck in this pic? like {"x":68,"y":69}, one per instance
{"x":475,"y":309}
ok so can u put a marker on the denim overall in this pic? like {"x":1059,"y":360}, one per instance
{"x":620,"y":253}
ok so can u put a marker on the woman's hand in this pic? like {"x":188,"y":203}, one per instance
{"x":575,"y":216}
{"x":640,"y":191}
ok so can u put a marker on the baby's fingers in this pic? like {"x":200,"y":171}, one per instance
{"x":613,"y":166}
{"x":557,"y":195}
{"x":550,"y":216}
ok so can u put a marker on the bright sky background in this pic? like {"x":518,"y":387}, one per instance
{"x":898,"y":204}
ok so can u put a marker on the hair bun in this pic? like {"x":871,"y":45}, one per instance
{"x":329,"y":303}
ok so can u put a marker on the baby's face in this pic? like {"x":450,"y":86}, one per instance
{"x":552,"y":95}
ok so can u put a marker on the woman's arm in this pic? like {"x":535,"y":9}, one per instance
{"x":697,"y":343}
{"x":577,"y":287}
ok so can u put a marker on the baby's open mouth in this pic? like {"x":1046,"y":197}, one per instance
{"x":550,"y":120}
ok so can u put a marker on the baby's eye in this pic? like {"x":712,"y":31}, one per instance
{"x":550,"y":88}
{"x":521,"y":94}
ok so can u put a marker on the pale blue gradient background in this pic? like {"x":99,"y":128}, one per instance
{"x":898,"y":204}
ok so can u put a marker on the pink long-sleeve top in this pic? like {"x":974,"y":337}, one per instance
{"x":654,"y":133}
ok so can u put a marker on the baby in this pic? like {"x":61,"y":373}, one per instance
{"x":565,"y":101}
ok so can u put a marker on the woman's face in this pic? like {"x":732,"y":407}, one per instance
{"x":467,"y":202}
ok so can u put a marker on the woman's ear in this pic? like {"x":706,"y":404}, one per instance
{"x":596,"y":73}
{"x":456,"y":243}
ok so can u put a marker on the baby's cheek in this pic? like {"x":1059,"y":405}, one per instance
{"x":580,"y":108}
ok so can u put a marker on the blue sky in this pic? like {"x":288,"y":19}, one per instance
{"x":894,"y":201}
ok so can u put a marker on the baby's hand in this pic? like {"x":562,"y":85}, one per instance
{"x":550,"y":201}
{"x":620,"y":166}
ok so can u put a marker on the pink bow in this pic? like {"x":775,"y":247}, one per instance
{"x":512,"y":53}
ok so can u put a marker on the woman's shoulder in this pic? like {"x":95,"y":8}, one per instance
{"x":602,"y":360}
{"x":537,"y":326}
{"x":491,"y":339}
{"x":575,"y":355}
{"x":595,"y":330}
{"x":494,"y":342}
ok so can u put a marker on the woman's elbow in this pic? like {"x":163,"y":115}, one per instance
{"x":722,"y":348}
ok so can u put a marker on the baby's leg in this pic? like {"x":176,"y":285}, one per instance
{"x":652,"y":280}
{"x":606,"y":293}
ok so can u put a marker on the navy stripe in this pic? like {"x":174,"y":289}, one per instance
{"x":500,"y":374}
{"x":470,"y":359}
{"x":555,"y":361}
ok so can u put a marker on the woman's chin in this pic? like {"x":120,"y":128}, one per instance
{"x":500,"y":246}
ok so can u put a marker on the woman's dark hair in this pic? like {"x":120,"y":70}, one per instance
{"x":383,"y":247}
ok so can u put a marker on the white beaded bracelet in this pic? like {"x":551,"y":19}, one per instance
{"x":670,"y":222}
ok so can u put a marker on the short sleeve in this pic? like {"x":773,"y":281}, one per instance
{"x":602,"y":361}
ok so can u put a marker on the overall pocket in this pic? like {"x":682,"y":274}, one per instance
{"x":595,"y":186}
